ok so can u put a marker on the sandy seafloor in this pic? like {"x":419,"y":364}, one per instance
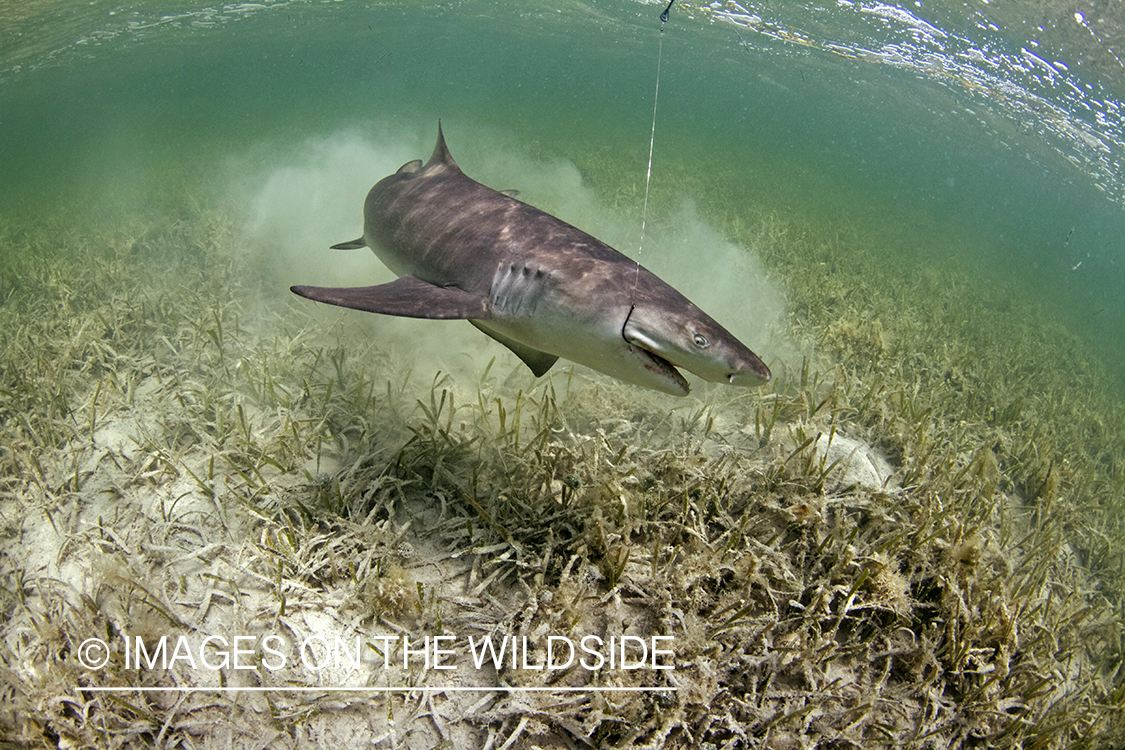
{"x":912,"y":537}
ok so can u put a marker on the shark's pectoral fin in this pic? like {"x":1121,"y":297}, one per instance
{"x":406,"y":297}
{"x":351,"y":245}
{"x":538,"y":361}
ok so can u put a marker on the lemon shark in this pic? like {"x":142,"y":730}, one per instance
{"x":539,"y":286}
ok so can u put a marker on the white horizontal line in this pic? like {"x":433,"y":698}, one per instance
{"x":344,"y":689}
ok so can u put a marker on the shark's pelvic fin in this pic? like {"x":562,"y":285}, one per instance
{"x":351,"y":244}
{"x":407,"y":297}
{"x":538,"y":361}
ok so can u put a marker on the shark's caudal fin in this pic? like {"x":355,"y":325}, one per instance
{"x":407,"y":297}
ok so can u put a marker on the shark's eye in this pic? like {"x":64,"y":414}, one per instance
{"x":700,"y":340}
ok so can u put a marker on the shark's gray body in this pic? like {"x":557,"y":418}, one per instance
{"x":533,"y":282}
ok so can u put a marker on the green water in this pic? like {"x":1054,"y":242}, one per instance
{"x":131,"y":98}
{"x":935,"y":142}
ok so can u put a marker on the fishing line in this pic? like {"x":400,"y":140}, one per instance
{"x":651,"y":148}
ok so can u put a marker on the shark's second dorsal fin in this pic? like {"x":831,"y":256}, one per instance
{"x":441,"y":153}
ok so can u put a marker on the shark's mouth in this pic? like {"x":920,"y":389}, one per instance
{"x":657,"y":364}
{"x":674,"y":382}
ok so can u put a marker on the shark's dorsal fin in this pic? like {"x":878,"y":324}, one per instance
{"x":410,"y":167}
{"x":406,"y":297}
{"x":509,"y":193}
{"x":441,"y":153}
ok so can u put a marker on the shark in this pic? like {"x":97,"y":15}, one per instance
{"x":536,"y":284}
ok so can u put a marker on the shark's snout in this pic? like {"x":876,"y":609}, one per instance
{"x":749,"y":378}
{"x":692,"y":341}
{"x":749,"y":370}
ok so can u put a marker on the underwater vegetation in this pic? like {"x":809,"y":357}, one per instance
{"x":185,"y":449}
